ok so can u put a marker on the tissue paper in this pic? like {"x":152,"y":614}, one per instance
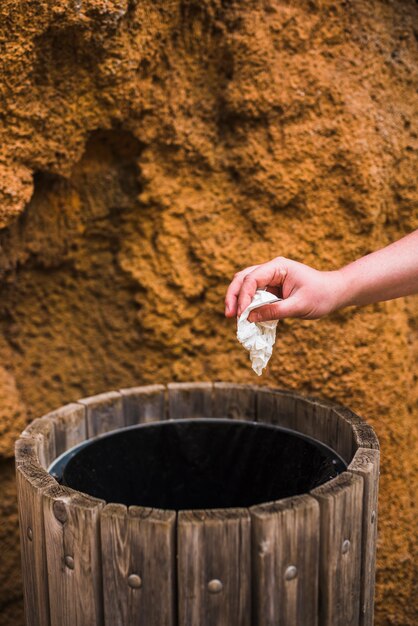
{"x":258,"y":337}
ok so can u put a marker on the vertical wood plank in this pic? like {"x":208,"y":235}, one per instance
{"x":69,"y":425}
{"x":27,"y":450}
{"x":366,"y":463}
{"x":72,"y":537}
{"x":214,"y":567}
{"x":235,"y":401}
{"x":328,"y":422}
{"x":340,"y":502}
{"x":104,"y":413}
{"x":42,"y":430}
{"x":276,"y":406}
{"x":139,"y":560}
{"x":31,"y":481}
{"x":187,"y":400}
{"x":364,"y":435}
{"x":143,"y":404}
{"x":285,"y":552}
{"x":319,"y":420}
{"x":314,"y":418}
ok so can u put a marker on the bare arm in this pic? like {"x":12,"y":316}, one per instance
{"x":388,"y":273}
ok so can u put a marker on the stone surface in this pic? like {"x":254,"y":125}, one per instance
{"x":148,"y":150}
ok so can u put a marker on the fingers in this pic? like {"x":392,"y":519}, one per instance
{"x":231,"y":298}
{"x":268,"y":274}
{"x":279,"y":310}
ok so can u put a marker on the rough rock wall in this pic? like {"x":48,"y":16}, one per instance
{"x":150,"y":149}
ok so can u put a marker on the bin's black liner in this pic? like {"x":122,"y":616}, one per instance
{"x":200,"y":464}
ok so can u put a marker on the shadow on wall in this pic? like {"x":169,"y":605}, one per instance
{"x":68,"y":314}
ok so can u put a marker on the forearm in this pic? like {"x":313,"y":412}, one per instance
{"x":388,"y":273}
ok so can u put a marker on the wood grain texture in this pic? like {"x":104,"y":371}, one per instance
{"x":235,"y":401}
{"x":340,"y":501}
{"x":139,"y":566}
{"x":42,"y":430}
{"x":319,"y":420}
{"x":144,"y":404}
{"x":366,"y":464}
{"x":104,"y":413}
{"x":311,"y":417}
{"x":337,"y":427}
{"x":26,"y":450}
{"x":214,"y":567}
{"x":364,"y":435}
{"x":73,"y":555}
{"x":31,"y":481}
{"x":285,"y":535}
{"x":187,"y":400}
{"x":276,"y":406}
{"x":69,"y":425}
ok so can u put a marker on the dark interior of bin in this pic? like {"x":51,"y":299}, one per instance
{"x":199,"y":464}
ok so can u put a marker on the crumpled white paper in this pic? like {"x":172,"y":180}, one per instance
{"x":258,"y":337}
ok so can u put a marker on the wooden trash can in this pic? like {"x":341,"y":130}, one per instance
{"x":306,"y":560}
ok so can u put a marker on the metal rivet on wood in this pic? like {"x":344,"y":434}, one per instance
{"x":60,"y":512}
{"x":69,"y":561}
{"x":215,"y":586}
{"x":135,"y":581}
{"x":30,"y":534}
{"x":346,"y":546}
{"x":291,"y":572}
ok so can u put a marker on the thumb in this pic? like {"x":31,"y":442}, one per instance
{"x":276,"y":311}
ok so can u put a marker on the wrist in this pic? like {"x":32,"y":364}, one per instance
{"x":338,"y":290}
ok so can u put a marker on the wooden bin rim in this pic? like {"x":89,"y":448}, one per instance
{"x":36,"y":448}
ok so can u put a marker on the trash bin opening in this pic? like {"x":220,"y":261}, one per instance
{"x":197,"y":464}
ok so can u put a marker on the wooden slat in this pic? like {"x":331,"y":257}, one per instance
{"x":214,"y":561}
{"x":309,"y":417}
{"x":72,"y":537}
{"x":364,"y":435}
{"x":328,"y":422}
{"x":104,"y":413}
{"x":27,"y":450}
{"x":366,"y":463}
{"x":31,"y":481}
{"x":285,"y":553}
{"x":42,"y":430}
{"x":276,"y":406}
{"x":143,"y":404}
{"x":319,"y":420}
{"x":70,"y":426}
{"x":187,"y":400}
{"x":139,"y":561}
{"x":234,"y":401}
{"x":340,"y":501}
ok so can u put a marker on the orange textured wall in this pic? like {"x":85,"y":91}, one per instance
{"x":149,"y":150}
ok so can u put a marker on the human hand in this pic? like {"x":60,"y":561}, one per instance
{"x":306,"y":292}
